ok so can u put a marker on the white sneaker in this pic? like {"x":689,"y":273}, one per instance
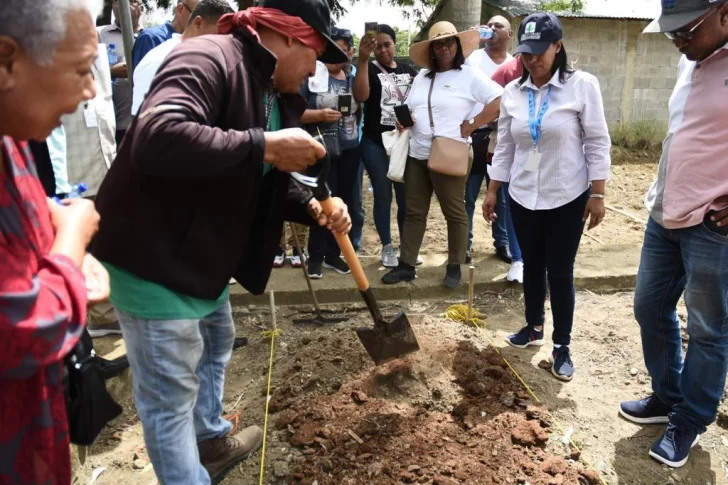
{"x":516,"y":272}
{"x":389,"y":257}
{"x":232,"y":281}
{"x":419,"y":260}
{"x":296,"y":261}
{"x":279,"y":260}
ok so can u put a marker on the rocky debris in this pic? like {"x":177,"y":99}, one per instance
{"x":280,"y":469}
{"x":554,"y":466}
{"x":359,"y":397}
{"x":529,"y":433}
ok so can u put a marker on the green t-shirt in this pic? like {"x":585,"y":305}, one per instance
{"x":144,"y":299}
{"x":274,"y":124}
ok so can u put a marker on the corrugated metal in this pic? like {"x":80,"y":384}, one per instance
{"x":621,"y":9}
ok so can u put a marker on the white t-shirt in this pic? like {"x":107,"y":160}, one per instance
{"x":146,"y":70}
{"x":454,"y":95}
{"x":482,"y":61}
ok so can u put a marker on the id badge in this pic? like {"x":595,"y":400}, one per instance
{"x":533,"y":161}
{"x":89,"y":115}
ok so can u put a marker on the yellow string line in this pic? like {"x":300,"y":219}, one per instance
{"x":477,"y":322}
{"x":269,"y":334}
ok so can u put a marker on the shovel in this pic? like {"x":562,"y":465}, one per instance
{"x":386,"y":340}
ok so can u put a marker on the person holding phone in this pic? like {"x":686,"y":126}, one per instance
{"x":381,"y":85}
{"x":332,"y":113}
{"x":553,"y":150}
{"x":442,"y":99}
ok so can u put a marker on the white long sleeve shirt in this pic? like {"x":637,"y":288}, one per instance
{"x":574,"y":144}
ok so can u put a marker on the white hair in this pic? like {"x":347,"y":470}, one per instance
{"x":38,"y":26}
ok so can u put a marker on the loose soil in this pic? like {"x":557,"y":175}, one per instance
{"x":453,"y":413}
{"x":626,"y":192}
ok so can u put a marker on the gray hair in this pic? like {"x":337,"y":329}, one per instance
{"x":38,"y":26}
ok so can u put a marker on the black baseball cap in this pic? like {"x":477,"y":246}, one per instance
{"x":676,"y":14}
{"x":538,"y":32}
{"x":317,"y":15}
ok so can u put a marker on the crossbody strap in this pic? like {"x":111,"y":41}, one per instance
{"x":392,"y":79}
{"x":429,"y":104}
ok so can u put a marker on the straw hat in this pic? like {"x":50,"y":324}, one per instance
{"x":420,"y":52}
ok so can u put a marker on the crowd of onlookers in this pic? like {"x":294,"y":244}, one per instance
{"x":134,"y":205}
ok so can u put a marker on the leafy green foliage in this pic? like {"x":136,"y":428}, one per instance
{"x":557,"y":6}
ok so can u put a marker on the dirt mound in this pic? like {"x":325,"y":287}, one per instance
{"x":448,"y":415}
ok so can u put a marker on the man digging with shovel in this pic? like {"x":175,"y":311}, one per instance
{"x":198,"y":193}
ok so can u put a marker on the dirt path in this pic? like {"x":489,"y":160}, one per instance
{"x":452,"y":413}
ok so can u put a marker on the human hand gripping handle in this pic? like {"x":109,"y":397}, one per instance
{"x":292,"y":150}
{"x":329,"y":207}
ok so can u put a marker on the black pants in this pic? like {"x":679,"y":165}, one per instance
{"x":549,"y":241}
{"x":341,"y":181}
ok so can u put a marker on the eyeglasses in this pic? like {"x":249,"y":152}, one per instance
{"x":439,"y":44}
{"x":688,"y":34}
{"x":186,"y":6}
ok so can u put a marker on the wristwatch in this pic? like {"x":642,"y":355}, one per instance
{"x":472,"y":122}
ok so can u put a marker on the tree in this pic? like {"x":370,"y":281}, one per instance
{"x":558,"y":6}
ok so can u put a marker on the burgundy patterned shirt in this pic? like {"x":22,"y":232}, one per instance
{"x":42,"y":314}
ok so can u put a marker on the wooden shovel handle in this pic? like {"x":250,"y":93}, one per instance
{"x":327,"y":206}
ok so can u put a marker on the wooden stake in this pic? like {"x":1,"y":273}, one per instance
{"x":625,"y":214}
{"x":471,"y":281}
{"x":273,"y":309}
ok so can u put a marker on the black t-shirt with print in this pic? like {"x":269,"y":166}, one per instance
{"x":379,"y":108}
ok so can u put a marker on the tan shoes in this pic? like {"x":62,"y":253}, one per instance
{"x":218,"y":455}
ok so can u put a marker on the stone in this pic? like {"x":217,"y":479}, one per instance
{"x":280,"y":469}
{"x":139,"y":464}
{"x":633,"y":371}
{"x":529,"y":433}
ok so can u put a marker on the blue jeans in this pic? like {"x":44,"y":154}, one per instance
{"x":693,"y":260}
{"x":512,"y":238}
{"x":376,"y":162}
{"x":357,"y":210}
{"x":178,"y":369}
{"x":500,"y":229}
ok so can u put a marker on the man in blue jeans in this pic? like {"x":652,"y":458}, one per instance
{"x":686,"y":241}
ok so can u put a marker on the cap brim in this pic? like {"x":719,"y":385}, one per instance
{"x":333,"y":53}
{"x":535,"y":47}
{"x":673,"y":22}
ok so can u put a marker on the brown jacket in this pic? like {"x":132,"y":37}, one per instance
{"x":185,"y":204}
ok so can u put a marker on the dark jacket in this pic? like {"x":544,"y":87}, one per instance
{"x":185,"y":204}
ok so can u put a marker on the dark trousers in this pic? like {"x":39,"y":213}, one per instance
{"x":341,"y":181}
{"x":549,"y":241}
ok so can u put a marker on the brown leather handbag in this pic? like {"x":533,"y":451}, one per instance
{"x":447,"y":156}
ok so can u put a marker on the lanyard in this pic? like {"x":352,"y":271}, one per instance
{"x":534,"y":123}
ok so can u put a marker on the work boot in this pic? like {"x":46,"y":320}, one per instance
{"x":452,"y":276}
{"x":403,"y":272}
{"x":219,"y":455}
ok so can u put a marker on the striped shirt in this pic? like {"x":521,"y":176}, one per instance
{"x":692,"y":178}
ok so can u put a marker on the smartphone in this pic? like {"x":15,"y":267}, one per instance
{"x":371,"y":29}
{"x":345,"y":104}
{"x":713,"y":226}
{"x":402,"y":112}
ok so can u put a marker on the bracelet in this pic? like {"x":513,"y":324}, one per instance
{"x":596,"y":196}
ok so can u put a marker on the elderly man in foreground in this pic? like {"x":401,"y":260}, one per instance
{"x":47,"y":49}
{"x":198,"y":194}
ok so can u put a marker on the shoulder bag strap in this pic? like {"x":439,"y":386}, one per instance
{"x":393,"y":80}
{"x":429,"y":105}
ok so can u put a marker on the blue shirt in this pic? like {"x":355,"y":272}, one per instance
{"x":149,"y":39}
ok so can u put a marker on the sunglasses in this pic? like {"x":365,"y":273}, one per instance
{"x":688,"y":34}
{"x":439,"y":44}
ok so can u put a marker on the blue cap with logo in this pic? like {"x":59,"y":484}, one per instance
{"x":538,"y":32}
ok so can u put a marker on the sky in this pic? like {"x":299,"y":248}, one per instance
{"x":372,"y":11}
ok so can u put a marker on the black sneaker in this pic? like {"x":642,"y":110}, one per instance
{"x":650,"y":410}
{"x":452,"y":276}
{"x":526,"y":337}
{"x":403,"y":272}
{"x":337,"y":264}
{"x":468,"y":256}
{"x":314,"y":269}
{"x":673,"y":447}
{"x":561,"y":365}
{"x":504,"y":254}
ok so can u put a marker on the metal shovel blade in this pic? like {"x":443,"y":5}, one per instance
{"x":388,"y":340}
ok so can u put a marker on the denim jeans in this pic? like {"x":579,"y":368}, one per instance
{"x":499,"y":227}
{"x":693,"y":260}
{"x":549,"y":241}
{"x":178,"y":369}
{"x":512,"y":238}
{"x":376,"y":163}
{"x":341,"y":181}
{"x":356,"y":210}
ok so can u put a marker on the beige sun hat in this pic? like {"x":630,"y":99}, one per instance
{"x":420,"y":52}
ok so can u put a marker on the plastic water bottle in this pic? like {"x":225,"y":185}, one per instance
{"x":113,"y":56}
{"x":485,"y":33}
{"x":76,"y":191}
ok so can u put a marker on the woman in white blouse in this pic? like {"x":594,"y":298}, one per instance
{"x":553,"y":150}
{"x":441,"y":100}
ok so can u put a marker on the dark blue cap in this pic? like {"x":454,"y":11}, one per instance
{"x":538,"y":32}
